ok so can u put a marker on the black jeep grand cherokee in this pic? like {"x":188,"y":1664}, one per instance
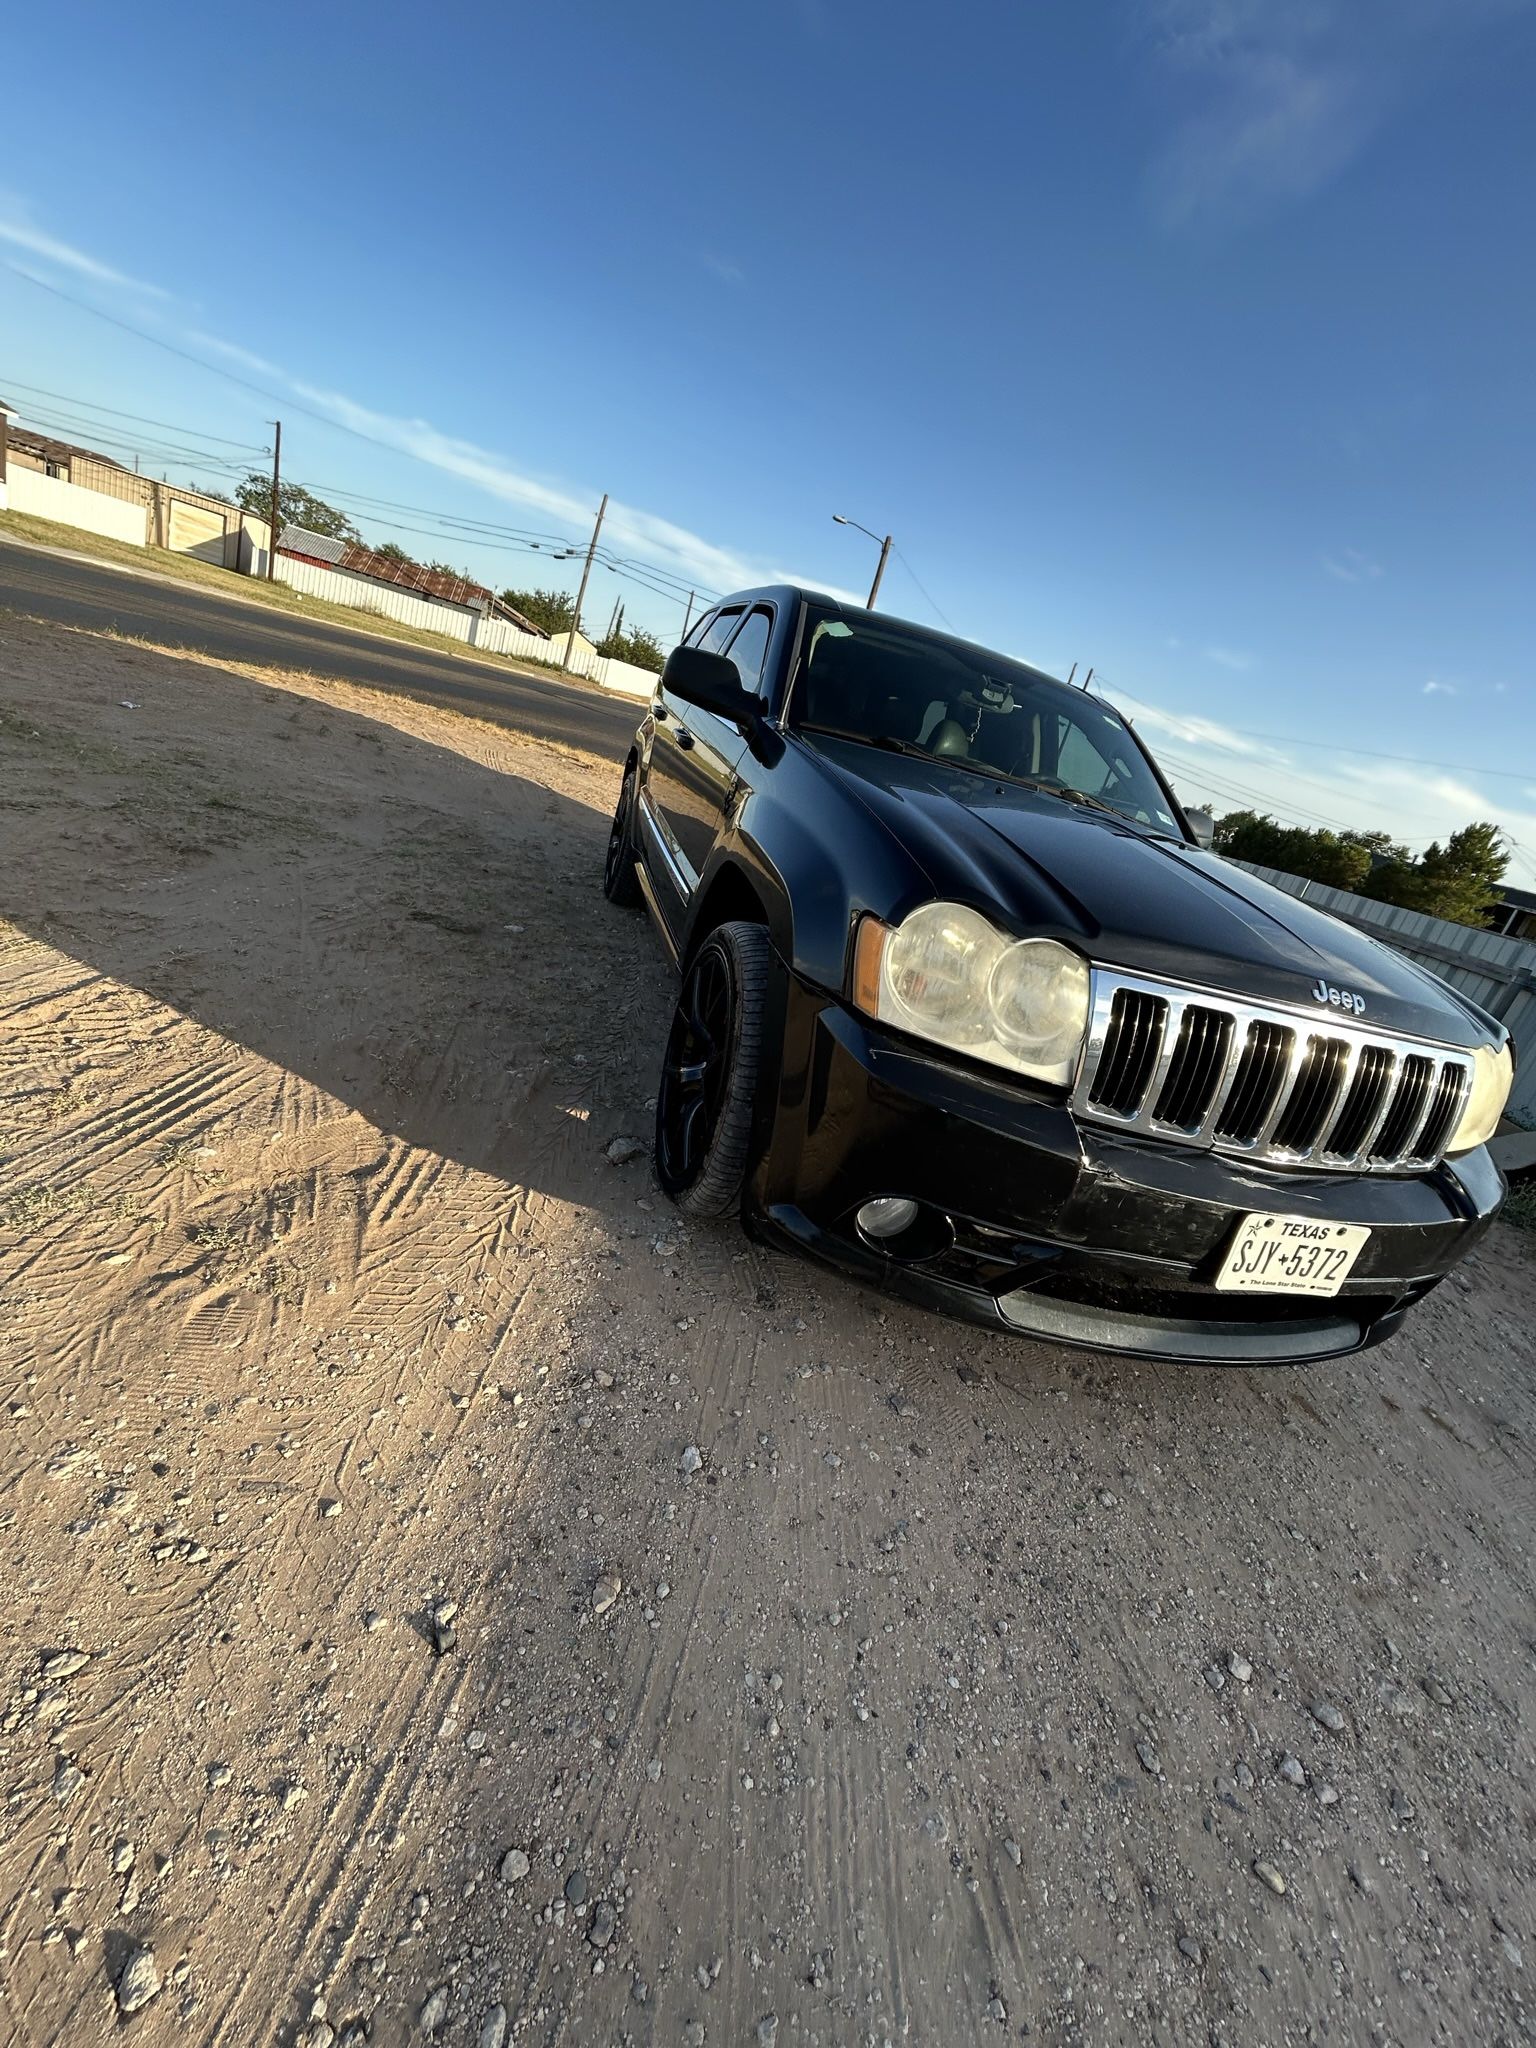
{"x":967,"y":1012}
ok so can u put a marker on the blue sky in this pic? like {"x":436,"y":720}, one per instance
{"x":1190,"y":339}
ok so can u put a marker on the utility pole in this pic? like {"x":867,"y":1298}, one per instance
{"x":841,"y":519}
{"x":874,"y":588}
{"x":613,"y":623}
{"x":586,"y":571}
{"x":277,"y":457}
{"x":688,"y":615}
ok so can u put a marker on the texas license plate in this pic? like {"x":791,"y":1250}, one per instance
{"x":1291,"y":1255}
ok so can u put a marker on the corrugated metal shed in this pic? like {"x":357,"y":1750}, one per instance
{"x":318,"y":547}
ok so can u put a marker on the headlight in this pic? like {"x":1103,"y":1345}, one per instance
{"x":948,"y":975}
{"x":1493,"y":1075}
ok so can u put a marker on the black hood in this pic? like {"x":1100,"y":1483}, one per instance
{"x":1130,"y":900}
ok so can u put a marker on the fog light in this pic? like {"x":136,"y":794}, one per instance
{"x":887,"y":1216}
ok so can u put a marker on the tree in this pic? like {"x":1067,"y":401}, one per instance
{"x":645,"y":649}
{"x":553,"y":610}
{"x":295,"y":507}
{"x":1342,"y":861}
{"x":633,"y":644}
{"x":1459,"y":880}
{"x":393,"y":552}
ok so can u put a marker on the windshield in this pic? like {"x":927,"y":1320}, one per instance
{"x":868,"y":679}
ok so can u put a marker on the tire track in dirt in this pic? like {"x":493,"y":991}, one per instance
{"x":411,"y":1141}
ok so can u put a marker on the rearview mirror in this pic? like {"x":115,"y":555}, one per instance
{"x":713,"y":682}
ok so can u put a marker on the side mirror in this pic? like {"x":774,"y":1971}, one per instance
{"x":713,"y":682}
{"x":1203,"y":826}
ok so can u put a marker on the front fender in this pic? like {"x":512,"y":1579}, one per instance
{"x":818,"y":860}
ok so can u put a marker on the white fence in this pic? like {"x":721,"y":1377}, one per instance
{"x":340,"y":586}
{"x":494,"y":636}
{"x":1499,"y":974}
{"x":49,"y":497}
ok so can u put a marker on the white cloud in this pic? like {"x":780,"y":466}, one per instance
{"x":232,"y":352}
{"x":627,"y":529}
{"x":1434,"y":689}
{"x":1198,"y":731}
{"x":1229,"y":657}
{"x":728,"y":273}
{"x":1350,"y":566}
{"x":1272,"y":99}
{"x":659,"y":540}
{"x":1206,"y":762}
{"x":18,"y":233}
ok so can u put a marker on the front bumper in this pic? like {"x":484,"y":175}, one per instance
{"x":1035,"y":1223}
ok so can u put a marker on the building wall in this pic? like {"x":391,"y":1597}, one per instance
{"x":47,"y":497}
{"x":187,"y":522}
{"x":196,"y":530}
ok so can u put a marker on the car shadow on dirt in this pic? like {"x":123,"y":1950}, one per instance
{"x":415,"y":930}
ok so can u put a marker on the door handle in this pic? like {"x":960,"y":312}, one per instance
{"x":658,"y":709}
{"x":684,"y":737}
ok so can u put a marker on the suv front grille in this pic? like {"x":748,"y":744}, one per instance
{"x":1265,"y":1082}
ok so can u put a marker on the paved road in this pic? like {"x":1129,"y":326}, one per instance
{"x":76,"y":593}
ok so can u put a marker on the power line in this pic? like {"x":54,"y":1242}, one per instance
{"x":88,"y":405}
{"x":290,"y":403}
{"x":1328,"y":746}
{"x":932,"y":606}
{"x":51,"y":424}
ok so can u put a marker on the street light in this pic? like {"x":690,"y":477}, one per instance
{"x":885,"y":549}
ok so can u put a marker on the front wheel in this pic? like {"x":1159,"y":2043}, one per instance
{"x":620,"y":884}
{"x":710,"y":1072}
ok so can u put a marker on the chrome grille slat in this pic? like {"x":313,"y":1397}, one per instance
{"x":1264,"y":1082}
{"x":1195,"y":1065}
{"x":1293,"y":1049}
{"x":1341,"y":1101}
{"x":1411,"y":1105}
{"x":1258,"y":1085}
{"x":1168,"y":1043}
{"x":1390,"y":1083}
{"x":1449,"y":1094}
{"x":1314,"y":1096}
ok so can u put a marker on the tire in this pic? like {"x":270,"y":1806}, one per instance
{"x":711,"y":1070}
{"x":620,"y":883}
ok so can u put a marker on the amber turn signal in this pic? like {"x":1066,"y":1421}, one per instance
{"x":868,"y":951}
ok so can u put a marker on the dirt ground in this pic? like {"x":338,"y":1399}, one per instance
{"x":963,"y":1693}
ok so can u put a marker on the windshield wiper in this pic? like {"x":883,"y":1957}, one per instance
{"x":1098,"y":803}
{"x":873,"y":739}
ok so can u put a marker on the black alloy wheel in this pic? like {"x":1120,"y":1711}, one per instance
{"x":620,"y":884}
{"x":710,"y":1072}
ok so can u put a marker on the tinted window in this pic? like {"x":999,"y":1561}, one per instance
{"x":719,"y":632}
{"x":870,"y":679}
{"x":698,"y":629}
{"x":750,"y":647}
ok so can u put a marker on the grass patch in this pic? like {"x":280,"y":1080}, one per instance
{"x":73,"y":1095}
{"x":38,"y":1203}
{"x":1520,"y":1209}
